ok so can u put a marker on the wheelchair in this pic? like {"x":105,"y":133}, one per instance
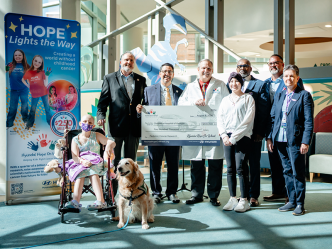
{"x":67,"y":186}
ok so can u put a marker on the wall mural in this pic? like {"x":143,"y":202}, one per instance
{"x":162,"y":52}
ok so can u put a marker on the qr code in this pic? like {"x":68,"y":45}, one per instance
{"x":16,"y":188}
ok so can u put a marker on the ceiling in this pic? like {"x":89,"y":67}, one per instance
{"x":240,"y":43}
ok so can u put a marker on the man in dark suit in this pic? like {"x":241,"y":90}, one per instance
{"x":257,"y":89}
{"x":121,"y":92}
{"x":163,"y":93}
{"x":290,"y":135}
{"x":275,"y":85}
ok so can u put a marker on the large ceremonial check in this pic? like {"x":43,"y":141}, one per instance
{"x":179,"y":126}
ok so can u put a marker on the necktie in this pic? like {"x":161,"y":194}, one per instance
{"x":204,"y":90}
{"x":129,"y":89}
{"x":168,"y":97}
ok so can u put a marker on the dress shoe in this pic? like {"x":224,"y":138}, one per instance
{"x":274,"y":197}
{"x":174,"y":198}
{"x":299,"y":210}
{"x":194,"y":200}
{"x":215,"y":202}
{"x":157,"y":199}
{"x":288,"y":207}
{"x":254,"y":202}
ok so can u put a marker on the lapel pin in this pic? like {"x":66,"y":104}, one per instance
{"x":176,"y":90}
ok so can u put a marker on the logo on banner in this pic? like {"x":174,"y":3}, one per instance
{"x":60,"y":120}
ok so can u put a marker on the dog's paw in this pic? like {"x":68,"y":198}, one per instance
{"x":145,"y":226}
{"x":115,"y":218}
{"x":151,"y":220}
{"x":120,"y":225}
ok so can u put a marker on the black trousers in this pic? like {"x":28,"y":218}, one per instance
{"x":278,"y":180}
{"x":214,"y":182}
{"x":254,"y":158}
{"x":156,"y":154}
{"x":235,"y":157}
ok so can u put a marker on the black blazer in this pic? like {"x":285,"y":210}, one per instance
{"x":300,"y":121}
{"x":122,"y":118}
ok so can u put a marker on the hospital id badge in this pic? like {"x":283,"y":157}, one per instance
{"x":283,"y":123}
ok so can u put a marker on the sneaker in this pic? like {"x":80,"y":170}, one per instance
{"x":299,"y":210}
{"x":288,"y":207}
{"x":242,"y":206}
{"x":73,"y":204}
{"x":96,"y":205}
{"x":231,"y":204}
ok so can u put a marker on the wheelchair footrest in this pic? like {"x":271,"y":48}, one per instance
{"x":107,"y":208}
{"x":69,"y":210}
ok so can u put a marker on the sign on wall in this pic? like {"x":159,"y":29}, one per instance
{"x":42,"y":94}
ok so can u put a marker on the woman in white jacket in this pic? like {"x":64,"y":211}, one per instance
{"x":235,"y":123}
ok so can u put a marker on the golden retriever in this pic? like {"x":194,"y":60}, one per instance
{"x":131,"y":182}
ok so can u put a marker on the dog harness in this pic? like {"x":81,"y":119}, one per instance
{"x":143,"y":187}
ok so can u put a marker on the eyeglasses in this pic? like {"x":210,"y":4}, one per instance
{"x":166,"y":71}
{"x":244,"y":66}
{"x":274,"y":63}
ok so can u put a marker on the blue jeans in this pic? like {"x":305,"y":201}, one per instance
{"x":32,"y":114}
{"x":15,"y":95}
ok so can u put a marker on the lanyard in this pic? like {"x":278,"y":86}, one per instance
{"x":288,"y":100}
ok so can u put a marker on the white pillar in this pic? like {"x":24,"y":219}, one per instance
{"x":111,"y":21}
{"x":70,"y":9}
{"x":31,"y":7}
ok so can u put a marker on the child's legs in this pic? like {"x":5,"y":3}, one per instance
{"x":47,"y":108}
{"x":31,"y":119}
{"x":97,"y":188}
{"x":14,"y":95}
{"x":78,"y":188}
{"x":24,"y":96}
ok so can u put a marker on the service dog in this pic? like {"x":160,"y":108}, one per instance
{"x":133,"y":193}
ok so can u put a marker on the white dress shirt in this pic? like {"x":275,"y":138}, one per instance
{"x":246,"y":81}
{"x":236,"y":117}
{"x":163,"y":94}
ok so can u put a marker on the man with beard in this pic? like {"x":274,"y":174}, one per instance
{"x":121,"y":92}
{"x":209,"y":91}
{"x":257,"y":89}
{"x":163,"y":93}
{"x":275,"y":85}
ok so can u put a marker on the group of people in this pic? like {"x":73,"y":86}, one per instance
{"x":66,"y":103}
{"x":248,"y":110}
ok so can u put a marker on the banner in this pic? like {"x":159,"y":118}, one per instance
{"x":43,"y":94}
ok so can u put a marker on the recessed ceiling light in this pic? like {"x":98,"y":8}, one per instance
{"x":328,"y":26}
{"x":258,"y":55}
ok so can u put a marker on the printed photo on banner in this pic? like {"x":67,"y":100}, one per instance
{"x":42,"y":97}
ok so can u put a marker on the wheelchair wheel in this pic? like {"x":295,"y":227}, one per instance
{"x":62,"y":218}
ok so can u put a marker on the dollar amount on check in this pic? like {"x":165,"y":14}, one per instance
{"x":179,"y":126}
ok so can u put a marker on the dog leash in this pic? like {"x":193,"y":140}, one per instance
{"x":85,"y":236}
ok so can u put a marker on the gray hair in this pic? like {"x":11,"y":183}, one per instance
{"x":127,"y":52}
{"x":199,"y":63}
{"x":292,"y":67}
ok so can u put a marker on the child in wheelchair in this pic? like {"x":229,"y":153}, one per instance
{"x":90,"y":165}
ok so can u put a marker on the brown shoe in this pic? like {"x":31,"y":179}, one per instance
{"x":274,"y":197}
{"x":254,"y":202}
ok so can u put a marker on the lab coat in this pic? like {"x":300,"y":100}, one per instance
{"x":215,"y":92}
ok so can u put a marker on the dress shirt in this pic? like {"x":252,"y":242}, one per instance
{"x":281,"y":135}
{"x":163,"y":94}
{"x":246,"y":81}
{"x":236,"y":118}
{"x":129,"y":83}
{"x":201,"y":84}
{"x":274,"y":86}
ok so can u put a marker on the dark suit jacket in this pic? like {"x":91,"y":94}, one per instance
{"x":122,"y":118}
{"x":300,"y":124}
{"x":152,"y":94}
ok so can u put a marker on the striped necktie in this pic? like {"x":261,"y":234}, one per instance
{"x":204,"y":90}
{"x":168,"y":97}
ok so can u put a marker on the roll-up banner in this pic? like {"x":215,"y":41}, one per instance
{"x":42,"y":94}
